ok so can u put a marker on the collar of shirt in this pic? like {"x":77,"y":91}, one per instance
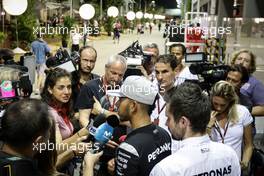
{"x":195,"y":141}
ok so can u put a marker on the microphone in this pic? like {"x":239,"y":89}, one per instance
{"x":102,"y":135}
{"x":112,"y":120}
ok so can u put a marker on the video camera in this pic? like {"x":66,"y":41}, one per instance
{"x":12,"y":90}
{"x":209,"y":72}
{"x":64,"y":60}
{"x":135,"y":56}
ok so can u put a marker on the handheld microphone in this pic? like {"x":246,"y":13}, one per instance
{"x":102,"y":135}
{"x":112,"y":120}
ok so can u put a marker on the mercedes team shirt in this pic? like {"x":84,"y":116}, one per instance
{"x":199,"y":156}
{"x":143,"y":148}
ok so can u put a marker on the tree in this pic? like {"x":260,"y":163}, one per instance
{"x":25,"y":24}
{"x":67,"y":23}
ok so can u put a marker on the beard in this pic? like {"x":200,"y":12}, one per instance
{"x":177,"y":135}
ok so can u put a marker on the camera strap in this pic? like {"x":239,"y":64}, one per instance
{"x":156,"y":120}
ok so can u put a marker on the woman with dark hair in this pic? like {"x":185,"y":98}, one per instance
{"x":48,"y":159}
{"x":57,"y":93}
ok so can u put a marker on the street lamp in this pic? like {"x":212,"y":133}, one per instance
{"x":3,"y":18}
{"x":146,"y":15}
{"x":131,"y":15}
{"x":15,"y":7}
{"x":86,"y":12}
{"x":112,"y":11}
{"x":139,"y":15}
{"x":153,"y":4}
{"x":150,"y":16}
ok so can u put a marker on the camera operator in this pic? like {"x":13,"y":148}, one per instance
{"x":141,"y":61}
{"x":182,"y":71}
{"x":253,"y":88}
{"x":153,"y":50}
{"x":238,"y":76}
{"x":25,"y":124}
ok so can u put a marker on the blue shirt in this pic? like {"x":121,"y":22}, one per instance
{"x":40,"y":49}
{"x":254,"y":89}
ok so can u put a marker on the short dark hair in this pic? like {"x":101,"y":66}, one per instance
{"x":241,"y":69}
{"x":178,"y":45}
{"x":87,"y":47}
{"x":188,"y":100}
{"x":23,"y":121}
{"x":168,"y":59}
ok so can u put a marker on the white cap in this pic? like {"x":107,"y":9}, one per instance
{"x":137,"y":88}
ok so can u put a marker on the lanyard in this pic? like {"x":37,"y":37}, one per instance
{"x":112,"y":105}
{"x":160,"y":110}
{"x":156,"y":120}
{"x":217,"y":127}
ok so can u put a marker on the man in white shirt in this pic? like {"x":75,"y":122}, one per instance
{"x":165,"y":76}
{"x":76,"y":37}
{"x":188,"y":112}
{"x":182,"y":71}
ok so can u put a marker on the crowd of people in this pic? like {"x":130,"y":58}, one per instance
{"x":168,"y":126}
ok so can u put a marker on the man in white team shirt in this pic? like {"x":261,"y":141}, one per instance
{"x":182,"y":71}
{"x":188,"y":112}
